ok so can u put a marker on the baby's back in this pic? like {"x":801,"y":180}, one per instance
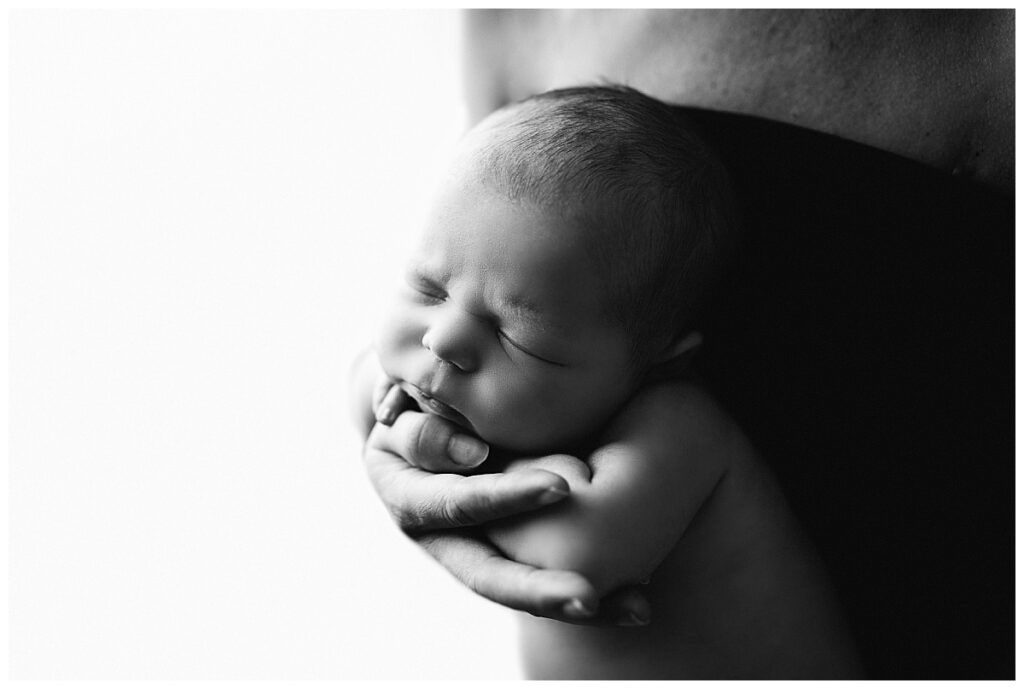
{"x":741,"y":595}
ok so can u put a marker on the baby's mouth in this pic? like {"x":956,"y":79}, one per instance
{"x":430,"y":404}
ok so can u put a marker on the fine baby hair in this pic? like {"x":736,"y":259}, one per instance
{"x":632,"y":171}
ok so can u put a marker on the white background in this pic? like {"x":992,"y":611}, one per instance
{"x":207,"y":211}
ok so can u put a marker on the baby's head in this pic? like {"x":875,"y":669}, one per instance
{"x":566,"y":255}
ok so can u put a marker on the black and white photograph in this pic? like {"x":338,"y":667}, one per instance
{"x":504,"y":344}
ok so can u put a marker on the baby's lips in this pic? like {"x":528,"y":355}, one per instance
{"x":433,"y":404}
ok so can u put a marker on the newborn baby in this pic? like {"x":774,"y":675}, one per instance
{"x":549,"y":310}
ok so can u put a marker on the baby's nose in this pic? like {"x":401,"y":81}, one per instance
{"x":453,"y":337}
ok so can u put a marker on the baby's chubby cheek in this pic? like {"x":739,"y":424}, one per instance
{"x":517,"y":415}
{"x":396,"y":342}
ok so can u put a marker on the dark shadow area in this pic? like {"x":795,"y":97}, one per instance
{"x":866,"y":344}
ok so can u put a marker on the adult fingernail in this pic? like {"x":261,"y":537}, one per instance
{"x":578,"y":610}
{"x":467,"y":451}
{"x":552,"y":494}
{"x":633,"y":619}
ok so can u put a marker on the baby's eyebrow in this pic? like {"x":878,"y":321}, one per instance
{"x":524,"y":308}
{"x":421,"y":273}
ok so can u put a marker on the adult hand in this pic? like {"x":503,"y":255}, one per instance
{"x":439,"y":511}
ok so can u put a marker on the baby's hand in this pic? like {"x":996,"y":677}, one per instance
{"x":424,"y":440}
{"x":388,"y":400}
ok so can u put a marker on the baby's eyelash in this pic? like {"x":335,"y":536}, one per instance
{"x":432,"y":294}
{"x":524,"y":350}
{"x":427,"y":288}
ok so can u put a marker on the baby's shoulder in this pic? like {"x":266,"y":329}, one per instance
{"x":675,"y":408}
{"x":672,"y":429}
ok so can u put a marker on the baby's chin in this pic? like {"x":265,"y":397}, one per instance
{"x":518,"y":442}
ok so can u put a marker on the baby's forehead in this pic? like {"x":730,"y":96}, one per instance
{"x":517,"y":230}
{"x":590,"y":213}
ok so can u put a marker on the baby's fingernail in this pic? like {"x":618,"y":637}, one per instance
{"x":386,"y":415}
{"x":552,"y":494}
{"x":390,"y":406}
{"x":633,"y":619}
{"x":578,"y":610}
{"x":467,"y":451}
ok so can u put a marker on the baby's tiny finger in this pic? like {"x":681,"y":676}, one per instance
{"x":380,"y":388}
{"x":626,"y":607}
{"x":390,"y":406}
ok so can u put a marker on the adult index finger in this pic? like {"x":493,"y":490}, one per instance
{"x":420,"y":501}
{"x":555,"y":594}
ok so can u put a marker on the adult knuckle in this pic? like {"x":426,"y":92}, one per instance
{"x":454,"y":512}
{"x":414,"y":518}
{"x":401,"y":519}
{"x":487,"y":507}
{"x":408,"y":517}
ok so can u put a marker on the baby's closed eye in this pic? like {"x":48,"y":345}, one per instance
{"x":502,"y":335}
{"x":425,"y":288}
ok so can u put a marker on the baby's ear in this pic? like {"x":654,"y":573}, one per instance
{"x":680,"y":351}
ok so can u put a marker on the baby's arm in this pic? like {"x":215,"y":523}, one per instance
{"x":658,"y":462}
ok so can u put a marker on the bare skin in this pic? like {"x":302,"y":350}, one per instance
{"x":934,"y":86}
{"x":500,"y":327}
{"x":412,"y":468}
{"x":797,"y":67}
{"x":740,"y":594}
{"x":735,"y":589}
